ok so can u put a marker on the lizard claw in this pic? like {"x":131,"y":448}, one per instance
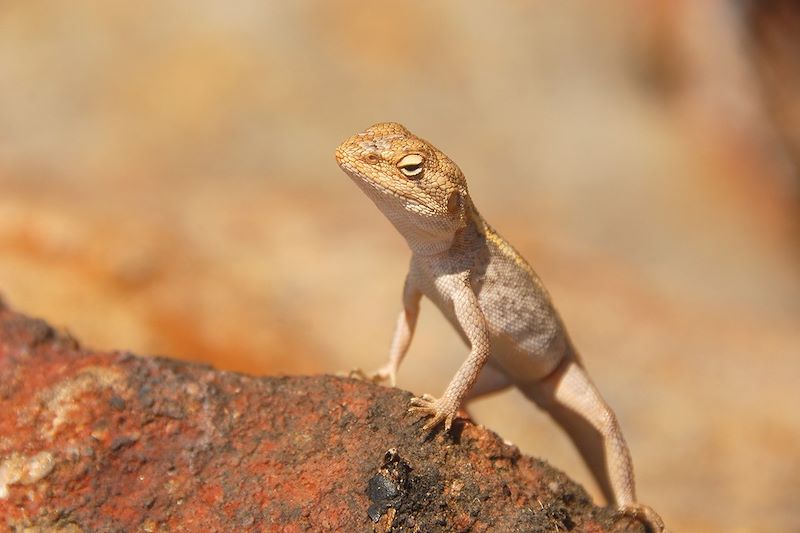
{"x":440,"y":409}
{"x":645,"y":515}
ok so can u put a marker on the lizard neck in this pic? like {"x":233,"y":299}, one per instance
{"x":474,"y":218}
{"x":470,"y":234}
{"x":423,"y":236}
{"x":429,"y":248}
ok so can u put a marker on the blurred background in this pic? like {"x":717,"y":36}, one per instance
{"x":167,"y":185}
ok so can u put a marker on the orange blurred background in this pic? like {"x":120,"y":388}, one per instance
{"x":167,"y":185}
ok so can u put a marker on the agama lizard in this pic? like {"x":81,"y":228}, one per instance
{"x":491,"y":296}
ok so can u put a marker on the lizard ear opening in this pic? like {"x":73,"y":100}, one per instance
{"x":454,"y":203}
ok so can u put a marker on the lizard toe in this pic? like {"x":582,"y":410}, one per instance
{"x":433,"y":422}
{"x":440,"y":411}
{"x":448,"y":421}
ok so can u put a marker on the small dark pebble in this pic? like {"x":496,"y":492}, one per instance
{"x":117,"y":403}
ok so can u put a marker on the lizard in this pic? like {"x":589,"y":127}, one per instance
{"x":493,"y":299}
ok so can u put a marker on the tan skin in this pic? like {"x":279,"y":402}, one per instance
{"x":492,"y":297}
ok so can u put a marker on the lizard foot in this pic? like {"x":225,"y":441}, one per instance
{"x":385,"y":373}
{"x":439,"y":408}
{"x":645,"y":515}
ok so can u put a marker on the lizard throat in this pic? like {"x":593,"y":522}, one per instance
{"x":426,"y":231}
{"x":425,"y":234}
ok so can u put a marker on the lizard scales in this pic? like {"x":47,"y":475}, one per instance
{"x":491,"y":296}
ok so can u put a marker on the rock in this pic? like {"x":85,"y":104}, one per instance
{"x":110,"y":441}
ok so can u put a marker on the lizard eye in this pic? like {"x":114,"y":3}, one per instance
{"x":411,"y":166}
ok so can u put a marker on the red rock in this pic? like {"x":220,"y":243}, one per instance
{"x":109,"y":441}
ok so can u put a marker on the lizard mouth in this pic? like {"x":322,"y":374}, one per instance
{"x":375,"y":187}
{"x":380,"y":192}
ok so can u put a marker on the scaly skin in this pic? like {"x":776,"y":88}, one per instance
{"x":492,"y":297}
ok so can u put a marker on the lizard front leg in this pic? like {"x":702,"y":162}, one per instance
{"x":470,"y":317}
{"x":401,"y":340}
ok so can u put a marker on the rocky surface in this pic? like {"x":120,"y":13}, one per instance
{"x":167,"y":185}
{"x":110,"y":441}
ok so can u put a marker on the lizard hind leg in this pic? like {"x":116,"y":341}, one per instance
{"x":572,"y":400}
{"x":489,"y":381}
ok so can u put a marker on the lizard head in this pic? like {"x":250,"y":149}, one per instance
{"x":419,"y":189}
